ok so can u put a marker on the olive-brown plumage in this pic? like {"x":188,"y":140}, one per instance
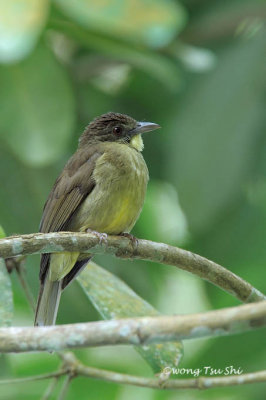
{"x":102,"y":187}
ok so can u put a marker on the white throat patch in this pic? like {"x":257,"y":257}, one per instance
{"x":137,"y":142}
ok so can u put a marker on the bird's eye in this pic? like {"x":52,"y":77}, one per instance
{"x":117,"y":130}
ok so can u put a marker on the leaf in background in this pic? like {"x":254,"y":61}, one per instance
{"x":222,"y":20}
{"x":195,"y":59}
{"x":153,"y":23}
{"x":215,"y":130}
{"x":162,"y":207}
{"x":114,"y":299}
{"x":6,"y":296}
{"x":153,"y":63}
{"x":36,"y":108}
{"x":21,"y":22}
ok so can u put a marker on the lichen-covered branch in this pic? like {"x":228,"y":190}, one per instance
{"x":137,"y":331}
{"x":123,"y":247}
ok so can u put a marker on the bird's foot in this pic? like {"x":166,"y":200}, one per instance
{"x":133,"y":239}
{"x":100,"y":235}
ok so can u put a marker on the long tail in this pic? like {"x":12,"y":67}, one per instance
{"x":48,"y":302}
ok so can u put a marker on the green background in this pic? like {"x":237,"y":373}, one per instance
{"x":198,"y":69}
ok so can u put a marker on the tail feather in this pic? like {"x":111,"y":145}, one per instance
{"x":48,"y":302}
{"x":78,"y":268}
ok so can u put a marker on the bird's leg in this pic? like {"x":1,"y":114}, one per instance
{"x":100,"y":235}
{"x":133,"y":239}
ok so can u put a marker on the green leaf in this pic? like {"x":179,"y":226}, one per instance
{"x":151,"y":22}
{"x":36,"y":108}
{"x":114,"y":299}
{"x":6,"y":296}
{"x":21,"y":22}
{"x":153,"y":63}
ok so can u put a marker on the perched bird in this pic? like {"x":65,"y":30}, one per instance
{"x":101,"y":188}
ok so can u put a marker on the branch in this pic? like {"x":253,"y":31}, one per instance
{"x":17,"y":264}
{"x":73,"y":368}
{"x":50,"y":388}
{"x":137,"y":331}
{"x":123,"y":247}
{"x":76,"y":368}
{"x":32,"y":378}
{"x":197,"y":383}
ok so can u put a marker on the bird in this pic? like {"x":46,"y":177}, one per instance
{"x":101,"y":189}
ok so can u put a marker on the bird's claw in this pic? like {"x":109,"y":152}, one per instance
{"x":100,"y":235}
{"x":133,"y":239}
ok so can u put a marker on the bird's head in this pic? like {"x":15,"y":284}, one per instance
{"x":115,"y":127}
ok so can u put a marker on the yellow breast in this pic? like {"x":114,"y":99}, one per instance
{"x":115,"y":203}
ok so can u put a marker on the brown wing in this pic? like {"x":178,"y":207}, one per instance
{"x":70,"y":189}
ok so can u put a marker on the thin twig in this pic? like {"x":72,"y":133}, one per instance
{"x":65,"y":387}
{"x":17,"y":264}
{"x":50,"y":388}
{"x":32,"y":378}
{"x":161,"y":383}
{"x":122,"y":247}
{"x":202,"y":382}
{"x":23,"y":281}
{"x":74,"y":368}
{"x":137,"y":331}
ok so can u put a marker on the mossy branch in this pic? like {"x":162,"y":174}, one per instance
{"x":137,"y":331}
{"x":134,"y":330}
{"x":123,"y":247}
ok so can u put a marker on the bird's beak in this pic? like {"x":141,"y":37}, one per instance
{"x":144,"y":127}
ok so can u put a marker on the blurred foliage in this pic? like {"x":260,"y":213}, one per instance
{"x":38,"y":99}
{"x":117,"y":300}
{"x":197,"y":68}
